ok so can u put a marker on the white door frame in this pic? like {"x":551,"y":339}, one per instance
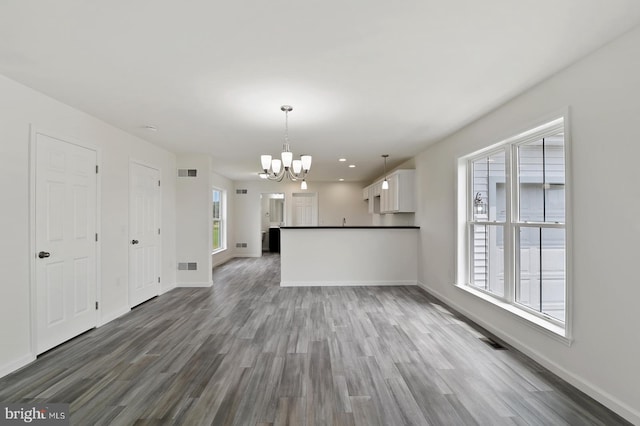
{"x":34,"y":131}
{"x":155,"y":167}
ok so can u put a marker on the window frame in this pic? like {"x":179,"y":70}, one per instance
{"x":221,"y":219}
{"x":470,"y":222}
{"x":512,"y":225}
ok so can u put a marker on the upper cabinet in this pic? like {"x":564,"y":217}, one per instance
{"x":399,"y":198}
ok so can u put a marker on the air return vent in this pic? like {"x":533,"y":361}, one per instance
{"x":187,"y":173}
{"x":187,"y":266}
{"x":492,"y":343}
{"x":241,"y":191}
{"x":241,"y":245}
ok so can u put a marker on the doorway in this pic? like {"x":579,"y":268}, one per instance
{"x":272,"y":213}
{"x":144,"y":233}
{"x":304,"y":209}
{"x":65,"y":240}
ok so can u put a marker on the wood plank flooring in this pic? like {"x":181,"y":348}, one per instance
{"x":247,"y":352}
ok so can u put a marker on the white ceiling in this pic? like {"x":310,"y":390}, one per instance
{"x":365,"y":77}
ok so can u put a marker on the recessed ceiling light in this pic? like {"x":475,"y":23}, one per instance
{"x":150,"y":128}
{"x":351,"y":166}
{"x":342,"y":160}
{"x":341,"y":180}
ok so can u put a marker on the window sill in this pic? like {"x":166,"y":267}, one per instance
{"x":218,"y":251}
{"x":556,"y":332}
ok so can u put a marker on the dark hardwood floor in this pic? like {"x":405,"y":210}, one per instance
{"x":247,"y":352}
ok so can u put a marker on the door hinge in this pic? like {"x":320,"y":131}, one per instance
{"x":96,"y":169}
{"x":96,"y":236}
{"x":158,"y":231}
{"x":96,"y":305}
{"x":158,"y":279}
{"x":158,"y":183}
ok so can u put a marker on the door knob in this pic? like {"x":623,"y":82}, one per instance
{"x":43,"y":254}
{"x":134,"y":241}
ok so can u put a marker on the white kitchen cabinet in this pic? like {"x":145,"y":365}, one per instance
{"x":374,"y":197}
{"x":400,"y":197}
{"x":365,"y":193}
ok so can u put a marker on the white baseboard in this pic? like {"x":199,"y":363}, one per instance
{"x":16,"y":365}
{"x":104,"y":319}
{"x":220,"y":258}
{"x":579,"y":382}
{"x":195,"y":284}
{"x":344,"y":283}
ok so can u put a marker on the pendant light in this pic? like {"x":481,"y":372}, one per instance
{"x":385,"y":182}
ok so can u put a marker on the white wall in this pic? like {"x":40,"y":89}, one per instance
{"x":193,"y":221}
{"x":336,"y":200}
{"x":221,"y":182}
{"x":348,"y":256}
{"x":602,"y":93}
{"x":21,"y":107}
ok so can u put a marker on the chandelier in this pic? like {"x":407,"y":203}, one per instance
{"x":277,"y":168}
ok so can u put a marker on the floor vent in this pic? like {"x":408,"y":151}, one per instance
{"x":187,"y":173}
{"x":493,"y":343}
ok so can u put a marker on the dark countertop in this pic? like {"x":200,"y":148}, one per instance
{"x":349,"y":227}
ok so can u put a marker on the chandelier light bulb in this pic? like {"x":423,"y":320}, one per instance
{"x":276,"y":165}
{"x":287,"y":158}
{"x":306,"y":162}
{"x":303,"y":185}
{"x":266,"y":162}
{"x":297,"y":166}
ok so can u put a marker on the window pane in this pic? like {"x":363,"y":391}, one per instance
{"x":541,"y":180}
{"x":541,"y":284}
{"x":488,"y":199}
{"x":216,"y":204}
{"x":488,"y":258}
{"x":217,"y":220}
{"x":216,"y":234}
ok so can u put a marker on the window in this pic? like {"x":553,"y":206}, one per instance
{"x":513,"y":218}
{"x":218,"y":228}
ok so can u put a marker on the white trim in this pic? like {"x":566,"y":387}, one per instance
{"x":595,"y":392}
{"x":112,"y":316}
{"x":16,"y":365}
{"x":220,"y":257}
{"x":345,"y":283}
{"x":195,"y":284}
{"x":547,"y":327}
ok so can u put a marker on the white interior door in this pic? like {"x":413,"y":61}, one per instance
{"x":144,"y":233}
{"x":65,"y":241}
{"x":304,"y":209}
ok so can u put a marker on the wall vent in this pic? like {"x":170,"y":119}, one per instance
{"x":187,"y":173}
{"x":241,"y":191}
{"x":492,"y":343}
{"x":187,"y":266}
{"x":241,"y":245}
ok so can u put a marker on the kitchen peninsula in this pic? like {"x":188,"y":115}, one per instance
{"x":349,"y":255}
